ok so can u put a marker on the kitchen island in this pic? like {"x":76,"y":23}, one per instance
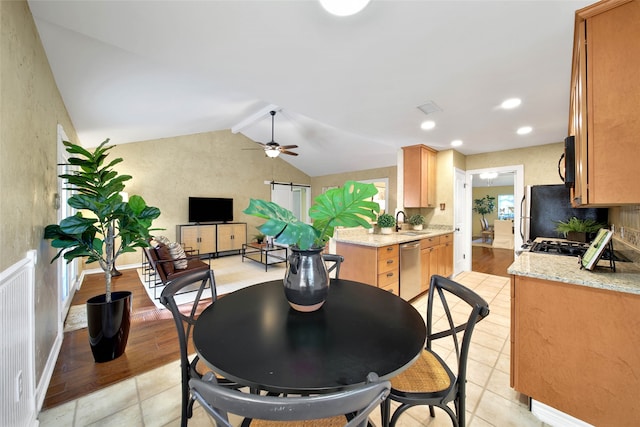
{"x":374,"y":258}
{"x":575,"y":336}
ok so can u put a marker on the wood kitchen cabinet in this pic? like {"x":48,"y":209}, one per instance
{"x":231,"y":237}
{"x":436,"y":257}
{"x":367,"y":264}
{"x":201,"y":238}
{"x":575,"y":348}
{"x":605,"y":103}
{"x":419,"y":166}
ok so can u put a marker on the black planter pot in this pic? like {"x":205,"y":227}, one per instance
{"x":108,"y":325}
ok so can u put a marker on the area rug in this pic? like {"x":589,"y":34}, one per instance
{"x":76,"y":318}
{"x":230,"y":274}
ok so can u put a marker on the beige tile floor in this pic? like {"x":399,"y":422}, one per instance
{"x":153,"y":398}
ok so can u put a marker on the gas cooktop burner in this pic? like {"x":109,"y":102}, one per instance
{"x":569,"y":248}
{"x":559,"y":247}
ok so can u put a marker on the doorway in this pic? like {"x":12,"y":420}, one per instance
{"x":515,"y":174}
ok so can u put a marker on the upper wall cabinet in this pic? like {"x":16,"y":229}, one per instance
{"x":605,"y":104}
{"x":419,"y":176}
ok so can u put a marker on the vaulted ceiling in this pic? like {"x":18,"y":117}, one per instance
{"x":346,"y":88}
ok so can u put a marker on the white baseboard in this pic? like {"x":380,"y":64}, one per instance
{"x":553,"y":417}
{"x":47,"y":374}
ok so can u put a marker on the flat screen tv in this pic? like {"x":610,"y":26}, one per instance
{"x":210,"y":209}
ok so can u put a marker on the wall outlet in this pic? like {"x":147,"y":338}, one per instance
{"x":19,"y":387}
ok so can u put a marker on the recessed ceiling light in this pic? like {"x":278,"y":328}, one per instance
{"x":511,"y":103}
{"x":524,"y":130}
{"x":456,"y":143}
{"x":428,"y":124}
{"x":344,"y":7}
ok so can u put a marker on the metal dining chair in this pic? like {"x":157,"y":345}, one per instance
{"x":430,"y":381}
{"x":348,"y":408}
{"x":201,"y":280}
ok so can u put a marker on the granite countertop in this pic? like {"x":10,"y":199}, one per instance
{"x":362,"y":236}
{"x":566,"y":269}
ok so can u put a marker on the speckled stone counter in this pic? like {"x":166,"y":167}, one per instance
{"x":364,"y":238}
{"x":566,"y":269}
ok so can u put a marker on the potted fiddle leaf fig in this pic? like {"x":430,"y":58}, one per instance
{"x":97,"y":191}
{"x":306,"y":281}
{"x":484,"y":206}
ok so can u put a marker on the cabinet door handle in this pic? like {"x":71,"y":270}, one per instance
{"x":389,"y":261}
{"x":389,"y":248}
{"x":389,"y":274}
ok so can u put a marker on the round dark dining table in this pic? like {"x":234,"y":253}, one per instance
{"x":253,"y":337}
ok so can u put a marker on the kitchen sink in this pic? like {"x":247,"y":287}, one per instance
{"x":414,"y":232}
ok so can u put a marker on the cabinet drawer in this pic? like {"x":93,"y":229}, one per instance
{"x":387,"y":252}
{"x":445,"y":238}
{"x":429,"y":242}
{"x":394,"y":288}
{"x":389,"y":264}
{"x":388,"y":278}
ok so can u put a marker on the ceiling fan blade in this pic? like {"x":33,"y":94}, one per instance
{"x":291,"y":153}
{"x":288,"y":147}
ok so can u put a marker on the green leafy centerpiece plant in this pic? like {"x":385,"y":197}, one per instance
{"x":306,"y":280}
{"x":386,"y":222}
{"x":97,"y":191}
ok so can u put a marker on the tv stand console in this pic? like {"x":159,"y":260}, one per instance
{"x":213,"y":240}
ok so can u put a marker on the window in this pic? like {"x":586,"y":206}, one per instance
{"x":505,"y":206}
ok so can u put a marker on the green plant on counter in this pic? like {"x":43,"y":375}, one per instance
{"x":259,"y":237}
{"x":347,"y":206}
{"x":578,"y":225}
{"x":416,"y":219}
{"x":386,"y":221}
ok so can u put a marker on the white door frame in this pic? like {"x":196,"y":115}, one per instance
{"x":68,"y":280}
{"x":461,"y":232}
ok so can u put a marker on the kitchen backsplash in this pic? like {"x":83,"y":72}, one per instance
{"x":626,"y":220}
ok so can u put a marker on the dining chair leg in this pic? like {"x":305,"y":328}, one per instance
{"x":385,"y":412}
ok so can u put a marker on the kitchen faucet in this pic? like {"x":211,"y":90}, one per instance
{"x":404,"y":218}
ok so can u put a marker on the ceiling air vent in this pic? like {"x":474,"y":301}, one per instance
{"x":429,"y":107}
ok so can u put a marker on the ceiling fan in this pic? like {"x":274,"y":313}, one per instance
{"x":272,"y":148}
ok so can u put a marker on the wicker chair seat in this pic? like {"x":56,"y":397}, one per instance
{"x":428,"y":374}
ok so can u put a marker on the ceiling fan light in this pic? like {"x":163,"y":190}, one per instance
{"x":272,"y":153}
{"x":344,"y":7}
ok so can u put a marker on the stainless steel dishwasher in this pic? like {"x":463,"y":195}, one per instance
{"x":409,"y":270}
